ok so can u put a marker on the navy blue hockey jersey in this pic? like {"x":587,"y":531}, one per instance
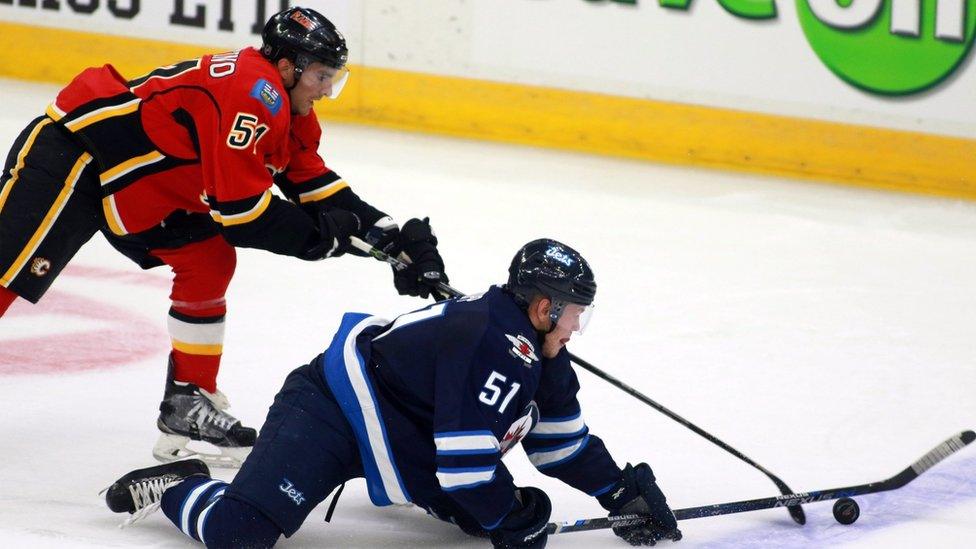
{"x":438,"y":396}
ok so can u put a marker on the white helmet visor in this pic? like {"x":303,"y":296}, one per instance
{"x":572,"y":317}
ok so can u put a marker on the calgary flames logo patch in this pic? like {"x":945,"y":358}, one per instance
{"x":522,"y":349}
{"x":40,"y":266}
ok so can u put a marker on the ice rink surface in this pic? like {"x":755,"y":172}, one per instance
{"x":828,"y":333}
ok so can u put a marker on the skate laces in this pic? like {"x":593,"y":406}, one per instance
{"x":147,"y":495}
{"x":204,"y":411}
{"x":218,"y":398}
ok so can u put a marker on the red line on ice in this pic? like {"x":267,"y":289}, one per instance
{"x":122,"y":336}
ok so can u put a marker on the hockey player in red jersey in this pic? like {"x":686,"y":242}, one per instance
{"x":177,"y":167}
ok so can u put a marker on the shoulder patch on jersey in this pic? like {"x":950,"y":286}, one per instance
{"x":522,"y":349}
{"x":264,"y":92}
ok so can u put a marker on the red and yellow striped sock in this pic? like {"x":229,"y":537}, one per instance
{"x":198,"y":343}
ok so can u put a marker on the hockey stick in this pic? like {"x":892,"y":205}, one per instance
{"x":929,"y":460}
{"x":796,"y":511}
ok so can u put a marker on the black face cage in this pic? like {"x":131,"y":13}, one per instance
{"x":556,"y":311}
{"x":558,"y":299}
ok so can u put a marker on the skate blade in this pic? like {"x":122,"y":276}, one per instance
{"x":171,"y":448}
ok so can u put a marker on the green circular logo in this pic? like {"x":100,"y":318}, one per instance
{"x":891,"y":47}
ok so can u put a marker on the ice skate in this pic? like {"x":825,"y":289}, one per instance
{"x":189,"y":415}
{"x":140,"y":492}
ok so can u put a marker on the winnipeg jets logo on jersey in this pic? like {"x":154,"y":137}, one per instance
{"x":521,"y":427}
{"x":289,"y":490}
{"x":559,"y":255}
{"x":522,"y":349}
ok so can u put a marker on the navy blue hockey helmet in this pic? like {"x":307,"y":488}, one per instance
{"x":304,"y":35}
{"x":552,"y":269}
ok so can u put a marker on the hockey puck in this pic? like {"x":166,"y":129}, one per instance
{"x":846,"y":511}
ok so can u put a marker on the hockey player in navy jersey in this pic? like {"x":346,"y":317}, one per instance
{"x":425,"y":407}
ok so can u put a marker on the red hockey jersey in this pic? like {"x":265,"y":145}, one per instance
{"x":205,"y":135}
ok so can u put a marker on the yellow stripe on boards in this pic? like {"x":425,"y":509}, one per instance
{"x":48,"y":221}
{"x":592,"y":123}
{"x":58,"y":55}
{"x":659,"y":131}
{"x":15,"y":172}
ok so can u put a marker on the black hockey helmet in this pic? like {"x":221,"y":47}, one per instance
{"x":304,"y":35}
{"x":552,"y":269}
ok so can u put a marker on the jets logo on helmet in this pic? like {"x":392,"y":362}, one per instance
{"x":557,"y":253}
{"x":553,"y":270}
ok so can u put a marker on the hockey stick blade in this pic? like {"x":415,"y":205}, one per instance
{"x":910,"y":473}
{"x":796,"y":511}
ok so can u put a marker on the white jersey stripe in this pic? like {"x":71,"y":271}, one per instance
{"x":374,"y":428}
{"x":560,"y":427}
{"x":452,"y":443}
{"x":552,"y":457}
{"x":464,"y":478}
{"x":202,"y":519}
{"x":189,"y":502}
{"x":410,"y":318}
{"x":196,"y":334}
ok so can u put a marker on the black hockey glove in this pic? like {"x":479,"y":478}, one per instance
{"x":426,"y":268}
{"x":637,"y":494}
{"x":525,"y":525}
{"x":335,"y":228}
{"x":383,"y":235}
